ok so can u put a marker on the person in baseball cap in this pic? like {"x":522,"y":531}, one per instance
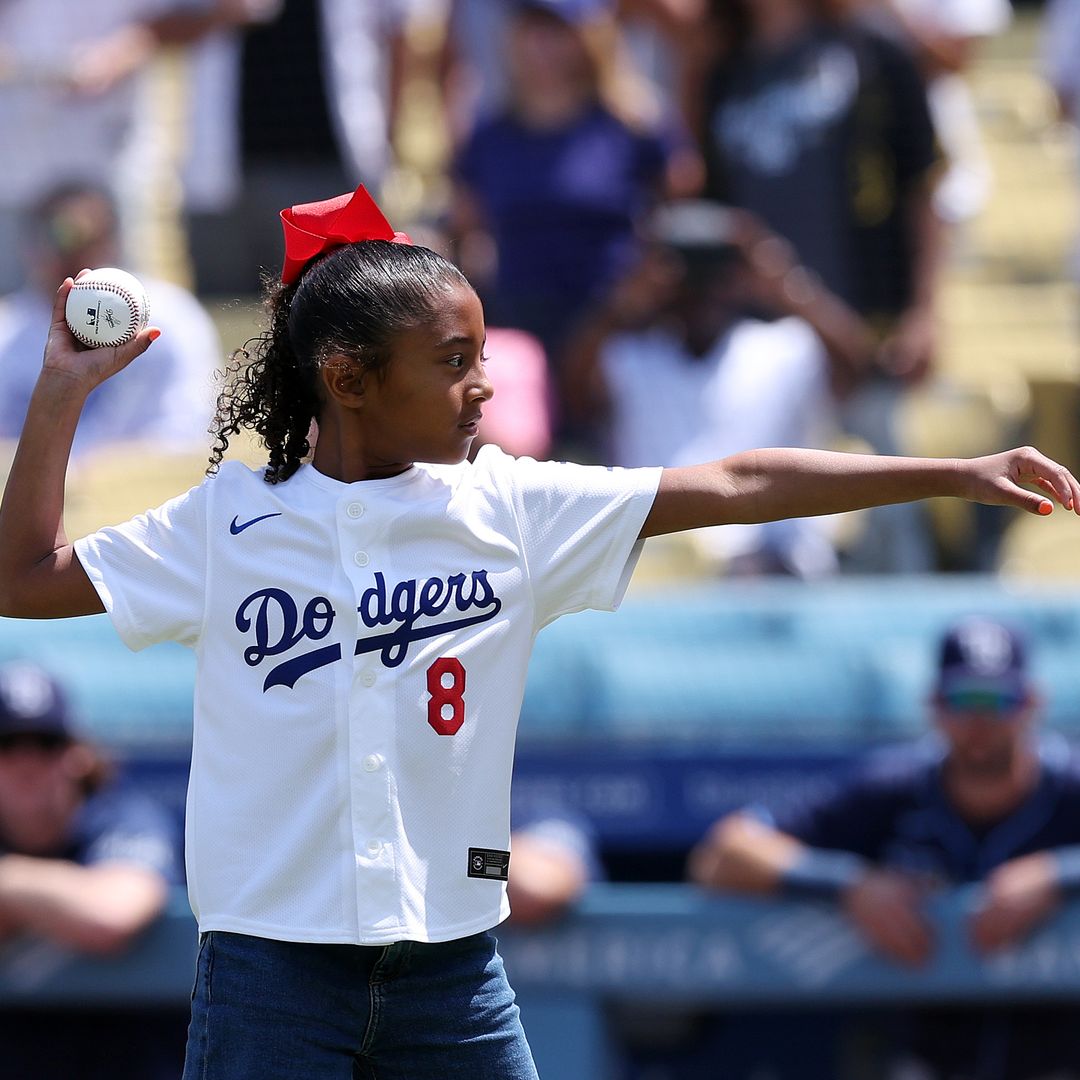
{"x":61,"y":804}
{"x":994,"y":809}
{"x":33,"y":707}
{"x":983,"y":666}
{"x":47,"y":769}
{"x":86,"y":864}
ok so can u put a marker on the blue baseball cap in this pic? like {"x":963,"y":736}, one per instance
{"x":983,"y":664}
{"x":32,"y":702}
{"x":574,"y":12}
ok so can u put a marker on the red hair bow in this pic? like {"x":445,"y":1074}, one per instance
{"x":314,"y":228}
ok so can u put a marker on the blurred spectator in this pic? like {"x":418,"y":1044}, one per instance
{"x":993,"y":807}
{"x":478,"y":72}
{"x":820,"y":126}
{"x":554,"y":858}
{"x":683,"y":373}
{"x":301,"y":101}
{"x":167,"y":403}
{"x":84,"y":865}
{"x":945,"y":35}
{"x":1061,"y":67}
{"x":68,"y":102}
{"x":549,"y":190}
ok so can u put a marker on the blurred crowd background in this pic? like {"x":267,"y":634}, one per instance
{"x":698,"y":226}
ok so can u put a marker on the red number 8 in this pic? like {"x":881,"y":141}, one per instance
{"x":441,"y":695}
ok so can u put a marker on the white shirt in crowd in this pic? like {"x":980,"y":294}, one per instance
{"x":361,"y":652}
{"x":762,"y":384}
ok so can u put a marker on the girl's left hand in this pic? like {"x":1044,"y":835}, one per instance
{"x":1002,"y":480}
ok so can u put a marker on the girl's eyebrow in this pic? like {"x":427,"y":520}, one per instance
{"x":455,"y":339}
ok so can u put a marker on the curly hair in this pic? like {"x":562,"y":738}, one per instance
{"x":352,"y":302}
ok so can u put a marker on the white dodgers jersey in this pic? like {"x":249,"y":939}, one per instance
{"x":362,"y":651}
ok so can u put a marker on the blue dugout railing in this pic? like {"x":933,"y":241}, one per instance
{"x":635,"y":943}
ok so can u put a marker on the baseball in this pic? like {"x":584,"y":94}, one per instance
{"x":106,"y":307}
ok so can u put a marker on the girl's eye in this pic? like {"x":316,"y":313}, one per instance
{"x":456,"y":361}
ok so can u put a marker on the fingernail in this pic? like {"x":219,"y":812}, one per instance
{"x":1046,"y":508}
{"x":154,"y":334}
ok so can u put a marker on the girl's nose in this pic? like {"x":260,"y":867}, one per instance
{"x":483,"y":389}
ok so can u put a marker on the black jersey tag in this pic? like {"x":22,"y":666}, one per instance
{"x":489,"y":863}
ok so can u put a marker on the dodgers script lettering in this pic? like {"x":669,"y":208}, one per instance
{"x":279,"y":624}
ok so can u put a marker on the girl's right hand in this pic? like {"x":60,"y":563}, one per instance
{"x":87,"y":368}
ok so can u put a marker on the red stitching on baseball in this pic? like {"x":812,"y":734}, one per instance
{"x":125,"y":294}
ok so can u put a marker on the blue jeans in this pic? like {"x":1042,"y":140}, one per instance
{"x":281,"y":1010}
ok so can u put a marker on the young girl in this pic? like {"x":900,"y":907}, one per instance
{"x":363,"y":622}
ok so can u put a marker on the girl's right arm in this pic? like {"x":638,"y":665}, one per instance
{"x":40,"y":576}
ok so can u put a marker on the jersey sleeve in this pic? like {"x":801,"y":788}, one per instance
{"x":150,"y":572}
{"x":579,"y":527}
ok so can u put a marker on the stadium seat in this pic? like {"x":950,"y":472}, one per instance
{"x":737,"y":693}
{"x":555,"y":690}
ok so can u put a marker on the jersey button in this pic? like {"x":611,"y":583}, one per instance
{"x":355,"y":510}
{"x":368,"y":678}
{"x":374,"y":847}
{"x":361,"y":558}
{"x":372,"y":763}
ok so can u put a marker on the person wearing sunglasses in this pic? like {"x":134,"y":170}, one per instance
{"x":85,"y":864}
{"x":992,"y":805}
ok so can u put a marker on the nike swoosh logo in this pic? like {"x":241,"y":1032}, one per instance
{"x":236,"y":528}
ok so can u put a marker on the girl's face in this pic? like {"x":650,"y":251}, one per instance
{"x":428,"y":403}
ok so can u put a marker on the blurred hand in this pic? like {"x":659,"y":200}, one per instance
{"x":639,"y":296}
{"x":777,"y":279}
{"x":545,"y":879}
{"x":100,"y":65}
{"x":910,"y":351}
{"x":242,"y":12}
{"x":86,"y":368}
{"x":885,"y":906}
{"x":1018,"y":896}
{"x":708,"y":858}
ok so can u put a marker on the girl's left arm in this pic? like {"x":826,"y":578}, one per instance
{"x":768,"y":485}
